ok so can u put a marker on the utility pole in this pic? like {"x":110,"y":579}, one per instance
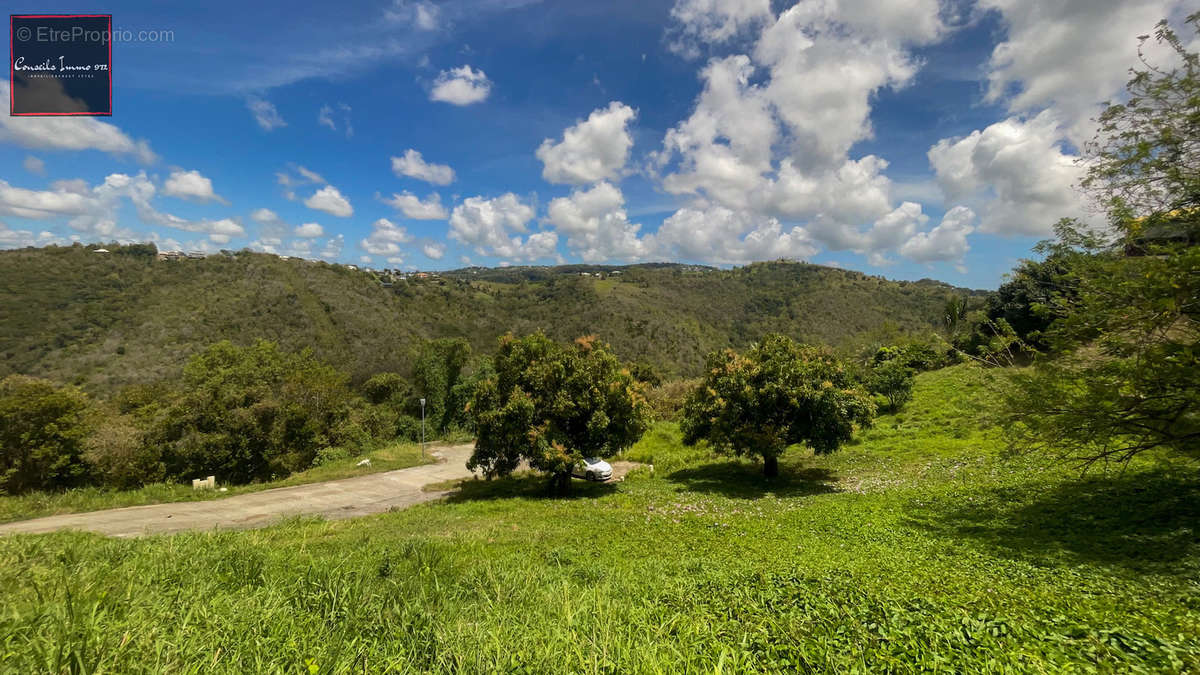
{"x":422,"y":428}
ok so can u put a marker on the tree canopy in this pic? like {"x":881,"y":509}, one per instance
{"x":551,"y":405}
{"x":778,"y":394}
{"x":1124,"y":373}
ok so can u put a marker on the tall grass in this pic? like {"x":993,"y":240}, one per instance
{"x":915,"y":550}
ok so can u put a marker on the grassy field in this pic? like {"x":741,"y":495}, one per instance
{"x":38,"y":504}
{"x":919,"y":548}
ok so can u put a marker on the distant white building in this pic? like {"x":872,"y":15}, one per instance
{"x":100,"y":250}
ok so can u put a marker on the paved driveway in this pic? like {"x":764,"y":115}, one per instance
{"x":345,"y":498}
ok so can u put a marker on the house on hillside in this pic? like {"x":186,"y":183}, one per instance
{"x":100,"y":250}
{"x":196,"y":255}
{"x":171,"y":255}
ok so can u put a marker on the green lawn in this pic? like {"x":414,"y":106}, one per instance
{"x":920,"y":548}
{"x":38,"y":504}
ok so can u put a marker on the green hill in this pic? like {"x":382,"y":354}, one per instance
{"x":103,"y":320}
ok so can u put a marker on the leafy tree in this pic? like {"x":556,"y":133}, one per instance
{"x":43,"y":427}
{"x":892,"y":380}
{"x":552,"y":405}
{"x":437,"y":371}
{"x":778,"y":394}
{"x":1128,"y":375}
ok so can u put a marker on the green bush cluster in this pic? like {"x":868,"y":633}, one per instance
{"x":243,"y":414}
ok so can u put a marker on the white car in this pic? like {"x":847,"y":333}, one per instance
{"x":593,"y":468}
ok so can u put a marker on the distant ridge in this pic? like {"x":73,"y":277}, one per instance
{"x":104,"y":321}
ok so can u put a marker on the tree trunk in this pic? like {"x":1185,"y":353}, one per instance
{"x":771,"y":466}
{"x":560,"y":484}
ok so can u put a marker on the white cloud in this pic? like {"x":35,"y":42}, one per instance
{"x":330,"y":200}
{"x":697,"y":22}
{"x":264,"y":113}
{"x":721,"y":235}
{"x":413,"y":165}
{"x":434,"y":250}
{"x":596,"y":225}
{"x":386,"y":238}
{"x":412,"y":206}
{"x":328,"y":116}
{"x":34,"y":165}
{"x":488,"y":225}
{"x":265,"y":217}
{"x":946,"y":242}
{"x":191,"y":185}
{"x":461,"y":86}
{"x":1070,"y":56}
{"x":1014,"y":174}
{"x":10,"y":238}
{"x":309,"y":230}
{"x":71,"y":133}
{"x":45,"y":204}
{"x":591,"y":150}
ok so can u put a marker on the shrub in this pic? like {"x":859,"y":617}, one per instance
{"x":42,"y":431}
{"x":117,"y":450}
{"x":247,"y":413}
{"x":666,"y":400}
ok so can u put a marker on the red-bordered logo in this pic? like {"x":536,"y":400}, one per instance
{"x":60,"y":64}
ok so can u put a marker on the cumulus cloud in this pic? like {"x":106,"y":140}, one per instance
{"x":596,"y":225}
{"x":309,"y":231}
{"x":191,"y":185}
{"x":413,"y":165}
{"x":765,"y":155}
{"x":412,"y":206}
{"x":71,"y":133}
{"x":1014,"y":173}
{"x":946,"y":242}
{"x":1069,"y":56}
{"x":330,"y":200}
{"x":461,"y":86}
{"x":492,"y":227}
{"x":725,"y":236}
{"x":594,"y":149}
{"x":434,"y":250}
{"x":13,"y":238}
{"x":700,"y":22}
{"x":386,"y":238}
{"x":264,"y":113}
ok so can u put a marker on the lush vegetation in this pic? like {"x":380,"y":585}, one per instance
{"x":778,"y":394}
{"x":106,"y":321}
{"x":243,"y":414}
{"x":551,"y":406}
{"x":919,"y":547}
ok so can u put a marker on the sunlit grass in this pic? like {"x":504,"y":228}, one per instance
{"x":923,"y":547}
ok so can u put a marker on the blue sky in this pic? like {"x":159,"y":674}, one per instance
{"x":912,"y":138}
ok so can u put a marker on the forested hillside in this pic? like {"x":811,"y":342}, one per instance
{"x":104,"y":320}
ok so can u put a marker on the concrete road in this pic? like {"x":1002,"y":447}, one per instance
{"x":345,"y":498}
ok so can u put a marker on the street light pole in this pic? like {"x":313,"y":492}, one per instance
{"x":422,"y":428}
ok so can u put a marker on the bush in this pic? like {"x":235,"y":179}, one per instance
{"x":42,"y":431}
{"x":250,"y":413}
{"x":666,"y":400}
{"x":120,"y":456}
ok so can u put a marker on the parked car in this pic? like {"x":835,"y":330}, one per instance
{"x":593,"y":468}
